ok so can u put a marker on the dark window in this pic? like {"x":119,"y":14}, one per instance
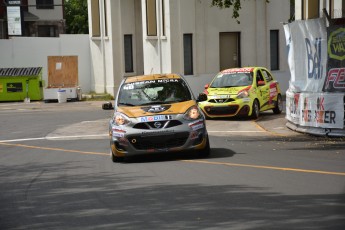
{"x":188,"y":53}
{"x":274,"y":49}
{"x":105,"y":19}
{"x":44,"y":4}
{"x":163,"y":18}
{"x":46,"y":31}
{"x":128,"y":53}
{"x":267,"y":76}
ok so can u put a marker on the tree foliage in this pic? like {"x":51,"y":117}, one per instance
{"x":76,"y":17}
{"x":234,"y":4}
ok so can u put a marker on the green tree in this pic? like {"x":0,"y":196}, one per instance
{"x":76,"y":17}
{"x":234,"y":4}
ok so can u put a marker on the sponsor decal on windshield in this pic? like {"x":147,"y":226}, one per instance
{"x":130,"y":86}
{"x":238,"y":70}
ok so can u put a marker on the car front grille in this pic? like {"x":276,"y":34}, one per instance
{"x":221,"y":100}
{"x":221,"y":110}
{"x":163,"y":124}
{"x":159,"y":141}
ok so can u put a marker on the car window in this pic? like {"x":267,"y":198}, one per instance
{"x":232,"y":80}
{"x":154,"y":92}
{"x":259,"y":77}
{"x":267,"y":76}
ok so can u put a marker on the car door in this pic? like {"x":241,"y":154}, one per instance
{"x":263,"y":90}
{"x":272,"y":88}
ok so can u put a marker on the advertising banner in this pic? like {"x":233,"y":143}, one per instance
{"x":292,"y":107}
{"x":316,"y":110}
{"x":335,"y":79}
{"x":307,"y":54}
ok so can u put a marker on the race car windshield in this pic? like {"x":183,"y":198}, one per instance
{"x":154,"y":92}
{"x":232,"y":80}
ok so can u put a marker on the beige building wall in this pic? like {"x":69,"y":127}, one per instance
{"x":164,"y":52}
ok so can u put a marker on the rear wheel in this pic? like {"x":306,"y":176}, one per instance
{"x":255,"y":109}
{"x":206,"y":151}
{"x":279,"y":105}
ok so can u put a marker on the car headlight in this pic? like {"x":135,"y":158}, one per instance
{"x":120,"y":119}
{"x":192,"y":113}
{"x":244,"y":93}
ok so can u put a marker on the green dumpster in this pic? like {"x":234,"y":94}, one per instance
{"x":18,"y":84}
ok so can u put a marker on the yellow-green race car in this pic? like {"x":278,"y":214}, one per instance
{"x":242,"y":92}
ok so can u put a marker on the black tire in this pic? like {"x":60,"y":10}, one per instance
{"x":279,"y":105}
{"x":206,"y":151}
{"x":255,"y":109}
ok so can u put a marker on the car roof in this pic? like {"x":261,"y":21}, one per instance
{"x":152,"y":77}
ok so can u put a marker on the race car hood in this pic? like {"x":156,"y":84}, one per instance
{"x":147,"y":110}
{"x":222,"y":91}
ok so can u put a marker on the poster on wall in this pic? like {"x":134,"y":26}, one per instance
{"x":307,"y":54}
{"x":321,"y":110}
{"x":14,"y":21}
{"x":335,"y":79}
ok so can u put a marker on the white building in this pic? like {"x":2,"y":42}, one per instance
{"x":132,"y":37}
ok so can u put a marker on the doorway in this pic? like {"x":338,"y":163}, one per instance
{"x":229,"y":50}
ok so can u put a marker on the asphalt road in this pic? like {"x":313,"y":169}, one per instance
{"x":55,"y":173}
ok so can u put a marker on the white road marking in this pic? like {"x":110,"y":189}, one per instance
{"x":53,"y":138}
{"x":106,"y":135}
{"x":237,"y":131}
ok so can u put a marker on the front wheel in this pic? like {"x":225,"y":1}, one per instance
{"x":255,"y":109}
{"x":206,"y":151}
{"x":115,"y":158}
{"x":279,"y":105}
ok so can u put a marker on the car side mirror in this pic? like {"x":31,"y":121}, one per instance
{"x":261,"y":83}
{"x":107,"y":106}
{"x":202,"y":97}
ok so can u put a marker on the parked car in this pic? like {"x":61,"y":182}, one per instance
{"x":156,"y":114}
{"x":242,"y":92}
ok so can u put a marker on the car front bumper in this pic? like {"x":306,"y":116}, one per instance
{"x":217,"y":110}
{"x":128,"y":141}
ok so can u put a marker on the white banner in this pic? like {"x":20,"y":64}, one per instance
{"x":292,"y":107}
{"x":307,"y":54}
{"x":322,"y":110}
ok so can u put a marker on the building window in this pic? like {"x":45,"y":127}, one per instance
{"x":188,"y":53}
{"x":44,"y":4}
{"x":105,"y":19}
{"x":310,"y":9}
{"x":151,"y":18}
{"x":163,"y":18}
{"x":128,"y":49}
{"x":96,"y":30}
{"x":274,"y":49}
{"x":46,"y":31}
